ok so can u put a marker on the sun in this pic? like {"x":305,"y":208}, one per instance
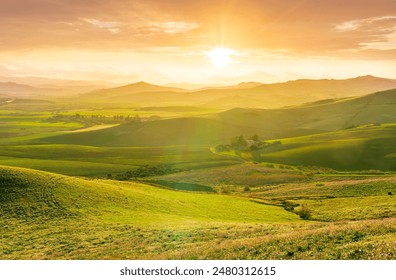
{"x":220,"y":57}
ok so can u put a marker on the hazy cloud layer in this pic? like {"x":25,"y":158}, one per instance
{"x":59,"y":35}
{"x":305,"y":25}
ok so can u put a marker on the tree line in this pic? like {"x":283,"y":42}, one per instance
{"x":240,"y":143}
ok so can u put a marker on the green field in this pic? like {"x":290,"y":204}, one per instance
{"x":52,"y":216}
{"x":95,"y":181}
{"x":361,"y":148}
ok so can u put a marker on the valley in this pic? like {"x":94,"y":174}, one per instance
{"x":134,"y":172}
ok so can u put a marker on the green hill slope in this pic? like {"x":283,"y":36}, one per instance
{"x":35,"y":195}
{"x":48,"y":216}
{"x":312,"y":118}
{"x":330,"y":115}
{"x":180,"y":131}
{"x":367,"y":147}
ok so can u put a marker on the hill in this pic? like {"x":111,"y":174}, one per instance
{"x":297,"y":92}
{"x":312,"y":118}
{"x":130,"y":89}
{"x":327,"y":115}
{"x":49,"y":216}
{"x":28,"y":194}
{"x":361,"y":148}
{"x":14,"y":89}
{"x":178,"y":131}
{"x":243,"y":95}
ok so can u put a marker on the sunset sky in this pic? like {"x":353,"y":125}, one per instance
{"x":199,"y":42}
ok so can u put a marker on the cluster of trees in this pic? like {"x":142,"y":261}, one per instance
{"x":145,"y":171}
{"x":128,"y":118}
{"x":100,"y":119}
{"x":240,"y":143}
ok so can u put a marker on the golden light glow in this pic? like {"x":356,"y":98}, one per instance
{"x":197,"y":42}
{"x":220,"y":57}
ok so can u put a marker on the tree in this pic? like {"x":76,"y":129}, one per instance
{"x":255,"y":138}
{"x":239,"y":142}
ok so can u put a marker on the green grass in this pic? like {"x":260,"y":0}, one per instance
{"x":180,"y":186}
{"x":89,"y":160}
{"x":235,"y":177}
{"x":67,"y":167}
{"x":341,"y":198}
{"x":368,"y":147}
{"x":50,"y":216}
{"x":339,"y":186}
{"x":30,"y":194}
{"x":252,"y":215}
{"x":167,"y":132}
{"x":20,"y":125}
{"x":351,"y":208}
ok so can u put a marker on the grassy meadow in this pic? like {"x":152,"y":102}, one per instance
{"x":107,"y":180}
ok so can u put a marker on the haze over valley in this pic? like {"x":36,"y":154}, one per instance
{"x":170,"y":130}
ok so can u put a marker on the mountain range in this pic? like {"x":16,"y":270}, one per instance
{"x":250,"y":94}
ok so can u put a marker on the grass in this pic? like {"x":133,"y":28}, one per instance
{"x":219,"y":206}
{"x":67,"y":167}
{"x":367,"y":147}
{"x":343,"y":186}
{"x":50,"y":216}
{"x":235,"y":177}
{"x":351,"y":208}
{"x":100,"y":161}
{"x":123,"y":202}
{"x":363,"y":240}
{"x":166,"y":132}
{"x":341,"y":198}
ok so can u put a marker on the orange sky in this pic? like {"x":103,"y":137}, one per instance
{"x":162,"y":41}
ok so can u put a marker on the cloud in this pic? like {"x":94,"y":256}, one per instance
{"x":173,"y":27}
{"x":112,"y":27}
{"x":177,"y":33}
{"x":380,"y":23}
{"x":375,"y":32}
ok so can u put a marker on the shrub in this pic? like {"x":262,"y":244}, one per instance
{"x":288,"y":206}
{"x":224,"y":190}
{"x":304,"y":212}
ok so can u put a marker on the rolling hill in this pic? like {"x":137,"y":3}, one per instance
{"x":306,"y":119}
{"x":49,"y":216}
{"x":366,"y":147}
{"x":327,"y":115}
{"x":178,"y":131}
{"x":130,"y":89}
{"x":243,"y":95}
{"x":14,"y":89}
{"x":33,"y":195}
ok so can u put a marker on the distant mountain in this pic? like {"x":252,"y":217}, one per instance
{"x":330,"y":88}
{"x":53,"y":87}
{"x":248,"y":85}
{"x":11,"y":89}
{"x":128,"y":90}
{"x":249,"y":94}
{"x":297,"y":92}
{"x":50,"y":82}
